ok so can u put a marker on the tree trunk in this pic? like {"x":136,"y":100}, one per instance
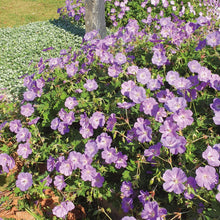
{"x":95,"y":16}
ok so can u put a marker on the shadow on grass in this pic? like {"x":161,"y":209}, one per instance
{"x":68,"y":26}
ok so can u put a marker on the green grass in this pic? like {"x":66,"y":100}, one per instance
{"x":20,"y":12}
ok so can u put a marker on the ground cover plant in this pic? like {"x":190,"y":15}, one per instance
{"x":132,"y":119}
{"x":23,"y":46}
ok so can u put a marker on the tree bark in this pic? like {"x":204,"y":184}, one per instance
{"x":95,"y":17}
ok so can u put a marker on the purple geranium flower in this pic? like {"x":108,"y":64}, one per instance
{"x":126,"y":189}
{"x":194,"y":66}
{"x":126,"y":87}
{"x":97,"y":180}
{"x":216,"y":118}
{"x":206,"y":177}
{"x":63,"y":128}
{"x":62,"y":210}
{"x":23,"y":134}
{"x":114,"y":70}
{"x":27,"y":110}
{"x":149,"y":106}
{"x":137,"y":94}
{"x":125,"y":105}
{"x":215,"y":106}
{"x":120,"y":58}
{"x":143,"y":76}
{"x":55,"y":123}
{"x":50,"y":164}
{"x":144,"y":133}
{"x":111,"y":122}
{"x":24,"y":150}
{"x":150,"y":211}
{"x":88,"y":173}
{"x":212,"y":156}
{"x":213,"y":39}
{"x":15,"y":126}
{"x":91,"y":85}
{"x":183,"y":118}
{"x":71,"y":102}
{"x":103,"y":141}
{"x":109,"y":155}
{"x":59,"y":182}
{"x":91,"y":148}
{"x":121,"y":160}
{"x":152,"y":151}
{"x":128,"y":218}
{"x":69,"y":118}
{"x":6,"y":162}
{"x":66,"y":168}
{"x":174,"y":180}
{"x":176,"y":104}
{"x":29,"y":95}
{"x":24,"y":181}
{"x":159,"y":58}
{"x":97,"y":120}
{"x":74,"y":157}
{"x":127,"y":204}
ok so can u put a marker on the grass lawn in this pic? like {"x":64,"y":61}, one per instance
{"x":20,"y":12}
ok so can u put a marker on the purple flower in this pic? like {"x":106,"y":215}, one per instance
{"x":90,"y":85}
{"x":132,"y":70}
{"x":62,"y":210}
{"x":63,"y":128}
{"x":27,"y":110}
{"x":62,"y":114}
{"x":88,"y":173}
{"x":174,"y":180}
{"x":111,"y":122}
{"x":69,"y":118}
{"x":109,"y":155}
{"x":55,"y":123}
{"x":120,"y":58}
{"x":103,"y":141}
{"x":216,"y":118}
{"x":59,"y":182}
{"x":74,"y":157}
{"x":212,"y":156}
{"x":127,"y":204}
{"x":34,"y":121}
{"x":40,"y":83}
{"x":91,"y":148}
{"x":143,"y":197}
{"x":150,"y":211}
{"x":183,"y":118}
{"x":126,"y":189}
{"x":15,"y":126}
{"x":204,"y":74}
{"x":97,"y":120}
{"x":143,"y":76}
{"x":24,"y":150}
{"x":126,"y":87}
{"x":29,"y":96}
{"x":125,"y":105}
{"x":172,"y":77}
{"x":128,"y":218}
{"x":66,"y":168}
{"x":215,"y":106}
{"x":144,"y":133}
{"x":114,"y":70}
{"x":6,"y":162}
{"x":153,"y":84}
{"x":71,"y":102}
{"x":152,"y":151}
{"x":86,"y":131}
{"x":159,"y":58}
{"x":48,"y":180}
{"x":71,"y":69}
{"x":176,"y":104}
{"x":121,"y":160}
{"x":97,"y":180}
{"x":137,"y":94}
{"x":23,"y":134}
{"x":194,"y":66}
{"x":24,"y":181}
{"x":149,"y":106}
{"x":164,"y":95}
{"x":206,"y":177}
{"x":182,"y":83}
{"x":213,"y":39}
{"x":50,"y":164}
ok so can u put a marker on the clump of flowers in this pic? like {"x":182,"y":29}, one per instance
{"x":126,"y":117}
